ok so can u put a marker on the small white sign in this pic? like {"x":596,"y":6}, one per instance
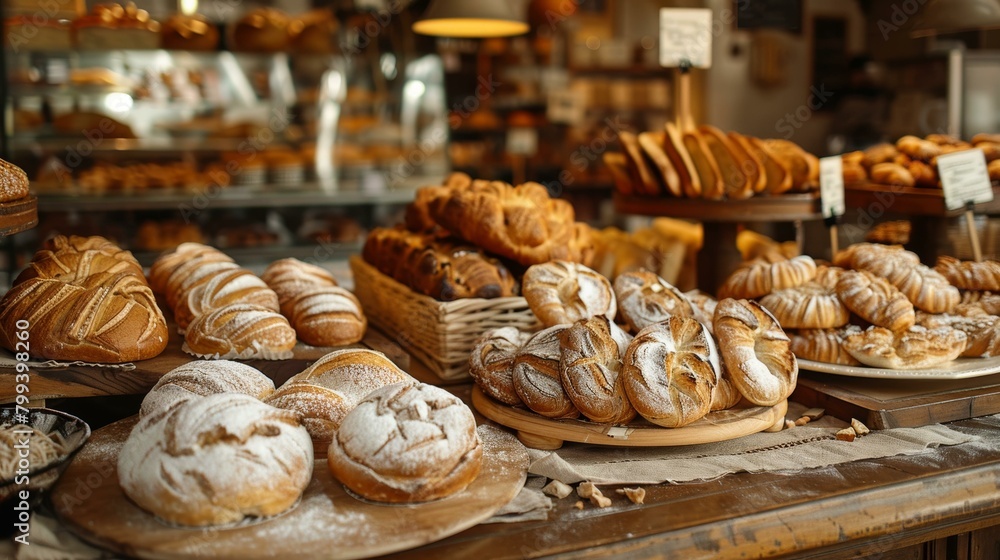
{"x":522,"y":141}
{"x":566,"y":107}
{"x":831,"y":186}
{"x":964,"y":178}
{"x":685,"y":34}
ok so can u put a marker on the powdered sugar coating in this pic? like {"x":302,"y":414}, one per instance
{"x":491,"y":363}
{"x":354,"y":373}
{"x":199,"y":379}
{"x":644,"y":298}
{"x":240,"y":330}
{"x":756,"y":351}
{"x":916,"y":348}
{"x":561,"y":292}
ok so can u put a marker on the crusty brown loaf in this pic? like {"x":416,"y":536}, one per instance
{"x":875,"y":300}
{"x":755,"y":351}
{"x":353,"y":373}
{"x":704,"y":307}
{"x":644,"y":298}
{"x":13,"y":182}
{"x":821,"y":345}
{"x":970,"y":275}
{"x":536,"y":375}
{"x":240,"y":331}
{"x":670,"y":371}
{"x":322,"y":410}
{"x":562,"y":292}
{"x":216,"y":460}
{"x":287,"y":276}
{"x":809,"y":306}
{"x":202,"y":378}
{"x":759,"y":278}
{"x":441,"y":269}
{"x":491,"y":363}
{"x":167,"y":263}
{"x":84,"y":299}
{"x":236,"y":285}
{"x":407,"y":443}
{"x":916,"y":348}
{"x":733,"y":169}
{"x":803,"y":166}
{"x":591,"y":354}
{"x":521,"y":223}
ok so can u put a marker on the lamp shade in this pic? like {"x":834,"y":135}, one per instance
{"x":471,"y":19}
{"x":954,"y":16}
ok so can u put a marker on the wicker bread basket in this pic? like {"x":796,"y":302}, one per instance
{"x":440,"y":334}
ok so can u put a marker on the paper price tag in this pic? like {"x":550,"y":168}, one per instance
{"x":831,"y":186}
{"x":686,"y":34}
{"x":964,"y":178}
{"x":522,"y":141}
{"x":566,"y":106}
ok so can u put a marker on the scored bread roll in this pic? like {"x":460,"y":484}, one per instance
{"x":167,"y":263}
{"x":755,"y":351}
{"x":915,"y":348}
{"x":322,"y":410}
{"x":759,"y":278}
{"x":288,"y":276}
{"x":591,"y":354}
{"x":13,"y":181}
{"x":875,"y":300}
{"x":216,"y":460}
{"x":536,"y":375}
{"x":809,"y":306}
{"x":670,"y":371}
{"x":353,"y":373}
{"x":491,"y":363}
{"x":326,"y":316}
{"x":821,"y":345}
{"x":704,"y":307}
{"x":235,"y":285}
{"x":240,"y":331}
{"x":203,"y":378}
{"x":561,"y":292}
{"x":407,"y":443}
{"x":644,"y":298}
{"x":192,"y":274}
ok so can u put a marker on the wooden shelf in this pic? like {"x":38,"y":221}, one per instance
{"x":910,"y":201}
{"x":18,"y":215}
{"x":784,"y":208}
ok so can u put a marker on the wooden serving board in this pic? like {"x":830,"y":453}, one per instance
{"x":327,"y":523}
{"x":18,"y":215}
{"x":94,"y":381}
{"x":539,"y":432}
{"x":910,"y":201}
{"x":892,"y":403}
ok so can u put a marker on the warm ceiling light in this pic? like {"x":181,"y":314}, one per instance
{"x":470,"y":19}
{"x":955,"y":16}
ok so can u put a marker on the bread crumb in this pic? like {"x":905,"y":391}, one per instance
{"x":789,"y":424}
{"x":600,"y":500}
{"x":591,"y":492}
{"x":859,"y":428}
{"x":814,"y":413}
{"x":847,"y":434}
{"x":578,"y":504}
{"x":635,"y":495}
{"x":557,"y":489}
{"x":802,"y":421}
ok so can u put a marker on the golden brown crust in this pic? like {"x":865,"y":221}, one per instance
{"x":803,"y":166}
{"x":987,"y":301}
{"x":491,"y":363}
{"x":809,"y":306}
{"x":779,"y":176}
{"x":981,"y":328}
{"x":261,"y":30}
{"x":13,"y":182}
{"x":892,"y":174}
{"x":756,"y":352}
{"x":639,"y":168}
{"x":652,"y":147}
{"x":189,"y":32}
{"x":591,"y":354}
{"x":354,"y":373}
{"x":237,"y":285}
{"x":916,"y":348}
{"x":200,"y":378}
{"x":970,"y":275}
{"x":670,"y":371}
{"x":756,"y":279}
{"x":918,"y":148}
{"x":242,"y":331}
{"x":875,"y":300}
{"x":644,"y":298}
{"x":561,"y":292}
{"x":322,"y":410}
{"x":925,"y":288}
{"x":821,"y":345}
{"x":735,"y":179}
{"x":712,"y":186}
{"x":673,"y":145}
{"x":536,"y":375}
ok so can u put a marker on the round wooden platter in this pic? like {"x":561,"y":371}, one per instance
{"x":545,"y":433}
{"x":328,"y":522}
{"x":18,"y":215}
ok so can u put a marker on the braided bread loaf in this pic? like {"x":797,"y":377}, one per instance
{"x":84,"y":299}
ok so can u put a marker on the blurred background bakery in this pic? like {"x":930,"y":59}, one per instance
{"x":306,"y":123}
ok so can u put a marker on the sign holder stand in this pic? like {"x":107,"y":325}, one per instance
{"x":970,"y":222}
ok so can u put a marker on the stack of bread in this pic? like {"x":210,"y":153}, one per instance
{"x":912,"y":161}
{"x":876,"y":305}
{"x":667,"y":246}
{"x":461,"y":239}
{"x":708,"y":163}
{"x":82,"y":298}
{"x":217,"y":444}
{"x":672,"y":372}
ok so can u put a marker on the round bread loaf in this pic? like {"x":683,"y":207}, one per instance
{"x":644,"y":298}
{"x":704,"y":307}
{"x":536,"y":375}
{"x":326,"y":316}
{"x":203,"y":378}
{"x":591,"y":354}
{"x":809,"y":306}
{"x":759,"y":278}
{"x":875,"y":300}
{"x":670,"y":370}
{"x":216,"y":460}
{"x":756,"y":352}
{"x":322,"y":410}
{"x":13,"y":182}
{"x":491,"y":363}
{"x":561,"y":292}
{"x":353,"y":373}
{"x":407,"y":443}
{"x":240,"y":330}
{"x":235,"y":285}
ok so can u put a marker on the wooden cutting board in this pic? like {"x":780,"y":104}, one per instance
{"x":327,"y":523}
{"x":892,"y":403}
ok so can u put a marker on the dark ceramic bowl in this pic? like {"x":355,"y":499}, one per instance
{"x":73,"y":431}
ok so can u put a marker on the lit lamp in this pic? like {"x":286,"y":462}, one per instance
{"x":471,"y":19}
{"x":955,"y":16}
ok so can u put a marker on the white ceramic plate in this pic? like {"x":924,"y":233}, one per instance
{"x":959,"y":369}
